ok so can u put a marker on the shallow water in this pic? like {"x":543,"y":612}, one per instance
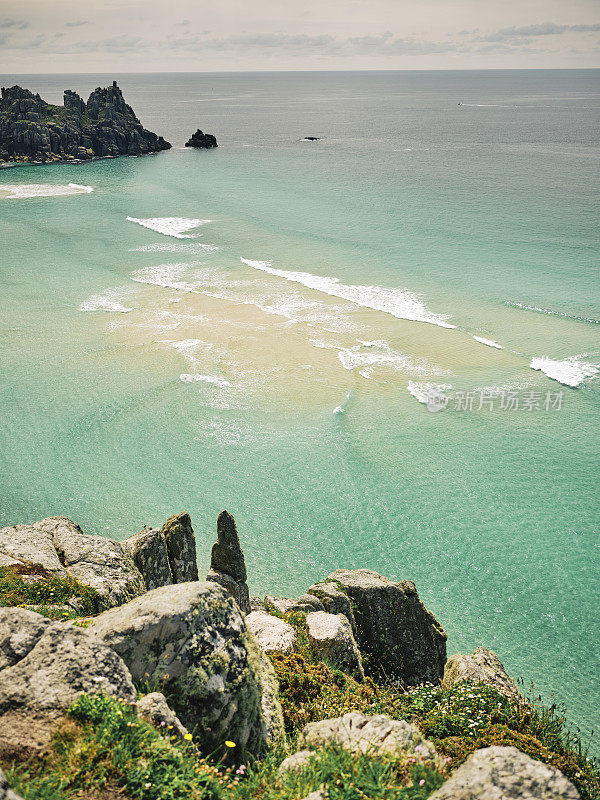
{"x":273,"y":360}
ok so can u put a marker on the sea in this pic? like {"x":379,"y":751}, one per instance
{"x":379,"y":348}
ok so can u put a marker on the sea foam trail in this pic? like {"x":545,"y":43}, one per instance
{"x":569,"y":371}
{"x":28,"y":190}
{"x":196,"y":377}
{"x":171,"y":226}
{"x":488,"y":342}
{"x":397,"y":302}
{"x":109,"y":301}
{"x":551,"y":312}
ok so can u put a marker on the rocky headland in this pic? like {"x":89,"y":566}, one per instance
{"x":123,"y":675}
{"x":33,"y":131}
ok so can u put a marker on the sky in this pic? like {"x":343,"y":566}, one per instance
{"x":62,"y":36}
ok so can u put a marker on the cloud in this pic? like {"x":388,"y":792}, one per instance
{"x":282,"y":43}
{"x":540,"y":29}
{"x":19,"y":24}
{"x":76,"y":23}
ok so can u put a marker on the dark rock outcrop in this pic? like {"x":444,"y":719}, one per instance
{"x":32,"y":130}
{"x":181,"y":547}
{"x":148,"y":549}
{"x":227,"y":563}
{"x":401,"y":639}
{"x":204,"y":140}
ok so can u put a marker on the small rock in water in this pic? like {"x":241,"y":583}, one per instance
{"x":204,"y":140}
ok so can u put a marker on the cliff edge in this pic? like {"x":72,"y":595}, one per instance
{"x":33,"y":131}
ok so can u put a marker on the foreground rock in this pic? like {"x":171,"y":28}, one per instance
{"x":33,"y":130}
{"x":191,"y":640}
{"x":272,"y":634}
{"x":330,"y":637}
{"x":6,"y":793}
{"x":505,"y":773}
{"x":363,"y":734}
{"x":60,"y":546}
{"x":227,"y":563}
{"x":153,"y":708}
{"x":483,"y":666}
{"x":44,"y":667}
{"x":402,"y":640}
{"x":203,"y":140}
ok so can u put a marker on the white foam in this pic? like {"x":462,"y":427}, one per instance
{"x":488,"y":342}
{"x":28,"y":190}
{"x":197,"y":377}
{"x":175,"y":247}
{"x":342,"y":408}
{"x":400,"y":303}
{"x":165,"y":275}
{"x":569,"y":371}
{"x":109,"y":301}
{"x":425,"y":392}
{"x":171,"y":226}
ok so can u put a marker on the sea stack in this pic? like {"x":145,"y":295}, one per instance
{"x":227,"y":563}
{"x":203,"y":140}
{"x":33,"y":131}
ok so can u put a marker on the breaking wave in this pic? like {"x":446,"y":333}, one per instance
{"x":400,"y":303}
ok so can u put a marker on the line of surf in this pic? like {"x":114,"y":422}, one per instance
{"x":399,"y":303}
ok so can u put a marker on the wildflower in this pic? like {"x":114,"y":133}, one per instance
{"x":422,"y":781}
{"x":241,"y":770}
{"x":229,"y":744}
{"x":187,"y":736}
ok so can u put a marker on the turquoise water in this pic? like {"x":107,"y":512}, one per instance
{"x":145,"y":373}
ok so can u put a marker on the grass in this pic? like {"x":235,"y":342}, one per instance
{"x":32,"y":585}
{"x":102,"y":751}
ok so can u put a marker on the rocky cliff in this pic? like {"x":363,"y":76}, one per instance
{"x":32,"y":130}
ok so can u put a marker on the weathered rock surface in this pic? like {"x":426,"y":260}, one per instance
{"x":296,"y":761}
{"x":363,"y":734}
{"x":6,"y":793}
{"x":181,"y":547}
{"x":227,"y":563}
{"x":191,"y":640}
{"x":401,"y":638}
{"x":483,"y":666}
{"x":272,"y":634}
{"x":33,"y":130}
{"x":505,"y":773}
{"x":283,"y":605}
{"x":330,"y":637}
{"x":148,"y":549}
{"x":238,"y":590}
{"x":153,"y":708}
{"x":256,"y":604}
{"x":334,"y":601}
{"x":204,"y":140}
{"x":63,"y":549}
{"x":44,"y":667}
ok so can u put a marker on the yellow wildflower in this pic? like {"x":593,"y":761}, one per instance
{"x":188,"y":736}
{"x":229,"y":744}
